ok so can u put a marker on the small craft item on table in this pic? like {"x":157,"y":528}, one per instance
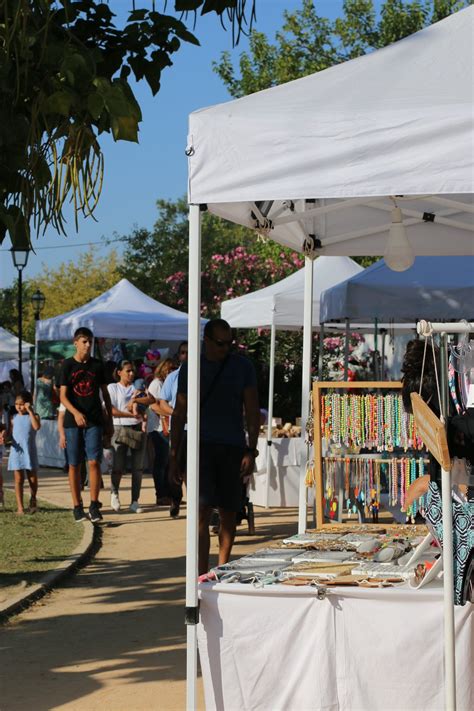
{"x":323,"y":568}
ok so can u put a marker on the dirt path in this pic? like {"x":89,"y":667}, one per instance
{"x":113,"y":636}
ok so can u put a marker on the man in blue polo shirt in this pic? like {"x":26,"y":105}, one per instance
{"x":228,"y":390}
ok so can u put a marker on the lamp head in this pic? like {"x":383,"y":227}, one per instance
{"x":20,"y":257}
{"x":38,"y":300}
{"x":399,"y":254}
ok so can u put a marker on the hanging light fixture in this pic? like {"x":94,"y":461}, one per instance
{"x":399,"y":254}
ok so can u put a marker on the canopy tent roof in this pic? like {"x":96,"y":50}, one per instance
{"x":282,"y":303}
{"x":322,"y":155}
{"x":121,"y":312}
{"x":434,"y":288}
{"x":9,"y":347}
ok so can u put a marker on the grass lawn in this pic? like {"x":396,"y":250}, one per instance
{"x":34,"y":543}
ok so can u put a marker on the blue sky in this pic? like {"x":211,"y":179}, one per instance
{"x":136,"y":175}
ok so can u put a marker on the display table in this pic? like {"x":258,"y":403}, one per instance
{"x":284,"y":475}
{"x":47,"y":445}
{"x":281,"y":647}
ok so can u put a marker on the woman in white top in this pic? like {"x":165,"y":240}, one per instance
{"x":125,"y":414}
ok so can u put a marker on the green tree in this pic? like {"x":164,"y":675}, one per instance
{"x":64,"y":80}
{"x":66,"y":287}
{"x":233,"y":261}
{"x":308,"y":43}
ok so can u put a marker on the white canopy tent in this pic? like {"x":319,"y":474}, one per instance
{"x":281,"y":306}
{"x":9,"y":347}
{"x":121,"y":312}
{"x":318,"y":164}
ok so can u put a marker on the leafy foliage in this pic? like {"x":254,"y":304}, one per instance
{"x":233,"y":261}
{"x":308,"y":43}
{"x":64,"y":80}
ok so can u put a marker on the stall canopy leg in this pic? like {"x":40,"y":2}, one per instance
{"x":192,"y":484}
{"x":306,"y":385}
{"x":271,"y":391}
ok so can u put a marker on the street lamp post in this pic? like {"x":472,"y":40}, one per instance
{"x":20,"y":259}
{"x":38,"y":300}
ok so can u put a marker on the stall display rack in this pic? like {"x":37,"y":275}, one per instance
{"x":319,"y":389}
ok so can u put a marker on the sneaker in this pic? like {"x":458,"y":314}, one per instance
{"x":115,"y":501}
{"x":94,"y":512}
{"x":174,"y":510}
{"x":135,"y":507}
{"x":79,"y":514}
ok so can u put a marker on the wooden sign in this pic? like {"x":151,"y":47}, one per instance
{"x":431,"y":430}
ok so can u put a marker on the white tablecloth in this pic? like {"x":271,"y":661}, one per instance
{"x":355,"y":650}
{"x":285,"y":472}
{"x":47,"y":444}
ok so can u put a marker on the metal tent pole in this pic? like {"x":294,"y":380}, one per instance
{"x":192,"y":484}
{"x":448,"y":573}
{"x":306,"y":385}
{"x":426,"y":329}
{"x":271,"y":390}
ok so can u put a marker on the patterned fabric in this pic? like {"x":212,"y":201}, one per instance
{"x":463,"y":535}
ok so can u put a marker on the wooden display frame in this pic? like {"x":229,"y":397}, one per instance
{"x":318,"y":387}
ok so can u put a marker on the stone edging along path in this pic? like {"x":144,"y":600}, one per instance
{"x":86,"y":549}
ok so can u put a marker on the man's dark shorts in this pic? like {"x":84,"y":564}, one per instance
{"x":220,"y":482}
{"x":82,"y":441}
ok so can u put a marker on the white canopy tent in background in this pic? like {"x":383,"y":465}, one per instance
{"x":121,"y":312}
{"x":437,"y":287}
{"x":9,"y":356}
{"x":318,"y":164}
{"x":281,"y":306}
{"x":9,"y":347}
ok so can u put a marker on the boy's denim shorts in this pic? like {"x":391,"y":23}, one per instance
{"x":83,"y":440}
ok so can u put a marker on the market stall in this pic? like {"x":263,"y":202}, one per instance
{"x":353,"y":649}
{"x":374,"y":162}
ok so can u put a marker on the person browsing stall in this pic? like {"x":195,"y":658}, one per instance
{"x":82,"y":382}
{"x":128,"y":436}
{"x":228,"y":389}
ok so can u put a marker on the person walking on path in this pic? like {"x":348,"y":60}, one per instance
{"x":23,"y":456}
{"x":128,"y":437}
{"x":44,"y":393}
{"x":165,"y":407}
{"x":158,"y":433}
{"x":228,"y":389}
{"x":82,"y":381}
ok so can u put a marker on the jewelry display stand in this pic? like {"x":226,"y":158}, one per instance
{"x":374,"y":457}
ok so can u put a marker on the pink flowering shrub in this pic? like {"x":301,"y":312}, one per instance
{"x":232,"y":274}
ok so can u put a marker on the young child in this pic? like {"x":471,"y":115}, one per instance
{"x":23,"y":456}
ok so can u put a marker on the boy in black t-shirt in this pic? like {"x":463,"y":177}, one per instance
{"x":81,"y":381}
